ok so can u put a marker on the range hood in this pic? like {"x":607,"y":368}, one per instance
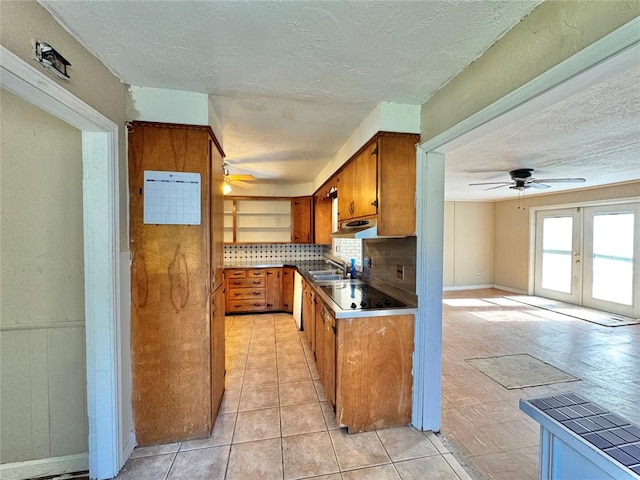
{"x":357,"y":229}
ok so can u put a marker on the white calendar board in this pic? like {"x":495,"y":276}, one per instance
{"x":171,"y":198}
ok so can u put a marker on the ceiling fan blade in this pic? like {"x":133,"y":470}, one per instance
{"x":538,"y":185}
{"x":240,"y":183}
{"x":243,"y":177}
{"x":561,"y":180}
{"x":505,"y":184}
{"x":490,"y":183}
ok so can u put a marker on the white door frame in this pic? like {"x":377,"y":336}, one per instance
{"x":101,"y":252}
{"x":612,"y":54}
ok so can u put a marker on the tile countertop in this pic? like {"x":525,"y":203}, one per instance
{"x":306,"y":266}
{"x":603,"y":434}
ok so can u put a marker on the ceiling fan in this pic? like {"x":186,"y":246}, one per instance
{"x":241,"y":180}
{"x":522,"y":178}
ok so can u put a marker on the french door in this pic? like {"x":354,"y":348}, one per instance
{"x":590,"y":256}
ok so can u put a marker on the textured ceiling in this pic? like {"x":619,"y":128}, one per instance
{"x":594,"y":134}
{"x":290,"y":80}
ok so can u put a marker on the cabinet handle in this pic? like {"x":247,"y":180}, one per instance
{"x":269,"y":304}
{"x":256,"y":283}
{"x":237,"y":294}
{"x":269,"y":273}
{"x":257,"y":293}
{"x":257,"y":305}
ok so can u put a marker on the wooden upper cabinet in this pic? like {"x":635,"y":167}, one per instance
{"x":357,"y":188}
{"x":301,"y":212}
{"x":365,"y":182}
{"x":322,"y":218}
{"x":397,"y":184}
{"x":345,"y":181}
{"x":379,"y":181}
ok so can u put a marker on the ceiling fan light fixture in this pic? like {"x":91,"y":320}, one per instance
{"x":226,"y":188}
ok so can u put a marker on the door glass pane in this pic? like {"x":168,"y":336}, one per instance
{"x":557,"y":248}
{"x":613,"y":257}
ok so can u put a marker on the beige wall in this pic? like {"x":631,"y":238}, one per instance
{"x":42,"y":360}
{"x":22,"y":22}
{"x":468,"y":244}
{"x":553,"y":32}
{"x":512,"y":228}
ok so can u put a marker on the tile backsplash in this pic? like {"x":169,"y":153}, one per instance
{"x":260,"y":253}
{"x":385,"y":256}
{"x":348,"y":248}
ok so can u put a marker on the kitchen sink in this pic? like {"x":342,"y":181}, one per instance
{"x":313,"y":273}
{"x":322,"y":278}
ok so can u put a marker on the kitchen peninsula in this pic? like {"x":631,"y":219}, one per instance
{"x":363,"y":352}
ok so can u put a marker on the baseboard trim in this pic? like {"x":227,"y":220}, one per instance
{"x":490,"y":285}
{"x":466,"y":287}
{"x":511,"y":290}
{"x":128,"y":448}
{"x":45,"y":466}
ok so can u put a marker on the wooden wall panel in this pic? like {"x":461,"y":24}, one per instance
{"x":374,"y":372}
{"x":170,"y":281}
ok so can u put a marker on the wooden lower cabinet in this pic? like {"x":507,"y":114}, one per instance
{"x":288,"y":274}
{"x":365,"y":366}
{"x":328,"y":375}
{"x":309,"y":314}
{"x":273,"y":289}
{"x":318,"y":345}
{"x":255,"y":290}
{"x":217,"y":357}
{"x":373,"y":372}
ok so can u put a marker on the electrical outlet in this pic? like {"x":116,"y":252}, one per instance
{"x":400,"y":271}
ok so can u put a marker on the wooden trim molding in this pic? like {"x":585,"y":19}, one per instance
{"x":175,"y":126}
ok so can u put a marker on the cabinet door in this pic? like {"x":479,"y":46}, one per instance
{"x":322,"y":219}
{"x":217,"y":352}
{"x":329,"y":368}
{"x":287,"y":288}
{"x":345,"y":193}
{"x":397,"y":185}
{"x":274,"y":289}
{"x":365,"y":182}
{"x":319,"y":341}
{"x":308,"y":313}
{"x":217,"y":218}
{"x":301,"y":213}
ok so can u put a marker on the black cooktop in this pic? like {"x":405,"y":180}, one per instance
{"x":360,"y":297}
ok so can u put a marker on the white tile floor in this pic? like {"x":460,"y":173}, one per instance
{"x":275,"y":423}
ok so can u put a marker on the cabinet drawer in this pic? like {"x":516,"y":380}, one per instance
{"x":247,"y":305}
{"x":236,"y":274}
{"x":246,"y":283}
{"x":257,"y":273}
{"x":246,"y":293}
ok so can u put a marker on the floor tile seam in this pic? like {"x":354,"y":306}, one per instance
{"x":344,"y":470}
{"x":456,"y":466}
{"x":173,"y":461}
